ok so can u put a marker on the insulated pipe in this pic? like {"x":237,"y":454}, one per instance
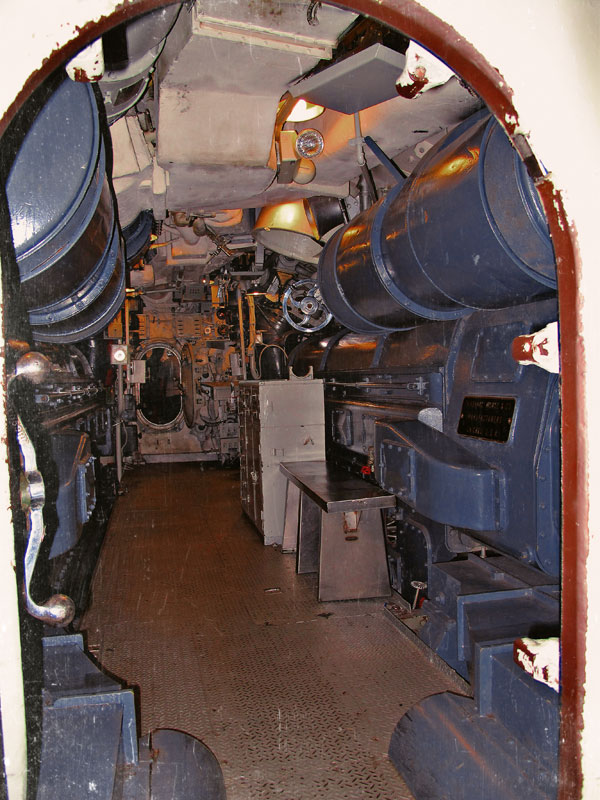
{"x":360,"y":155}
{"x":466,"y":231}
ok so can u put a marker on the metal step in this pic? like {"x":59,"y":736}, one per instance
{"x":89,"y":739}
{"x":80,"y":747}
{"x":445,"y":751}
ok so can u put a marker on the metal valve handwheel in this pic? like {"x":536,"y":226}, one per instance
{"x":303,"y":307}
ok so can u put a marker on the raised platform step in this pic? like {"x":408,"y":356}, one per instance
{"x":68,"y":670}
{"x":445,"y":751}
{"x":80,"y":748}
{"x":89,"y":740}
{"x":528,"y":709}
{"x":176,"y":767}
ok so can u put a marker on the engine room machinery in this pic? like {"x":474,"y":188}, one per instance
{"x":393,"y":247}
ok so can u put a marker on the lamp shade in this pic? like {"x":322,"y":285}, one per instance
{"x":285,"y":229}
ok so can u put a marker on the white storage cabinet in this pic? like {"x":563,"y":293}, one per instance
{"x":279,"y":421}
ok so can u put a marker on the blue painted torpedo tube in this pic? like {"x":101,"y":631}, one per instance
{"x":465,"y":231}
{"x":64,"y":221}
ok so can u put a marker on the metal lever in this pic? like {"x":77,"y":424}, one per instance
{"x":385,"y":160}
{"x":59,"y":609}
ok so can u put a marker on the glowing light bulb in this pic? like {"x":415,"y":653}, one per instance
{"x":303,"y":111}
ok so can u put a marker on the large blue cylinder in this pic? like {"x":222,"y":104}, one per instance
{"x":64,"y":222}
{"x":466,"y":231}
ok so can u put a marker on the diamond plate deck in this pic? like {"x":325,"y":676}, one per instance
{"x":296,"y":698}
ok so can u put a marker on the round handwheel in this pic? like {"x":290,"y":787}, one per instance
{"x":303,"y":307}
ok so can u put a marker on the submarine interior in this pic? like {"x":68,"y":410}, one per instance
{"x":283,"y":402}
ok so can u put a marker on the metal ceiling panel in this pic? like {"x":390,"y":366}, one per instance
{"x":359,"y":81}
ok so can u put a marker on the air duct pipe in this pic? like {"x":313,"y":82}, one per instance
{"x":466,"y":231}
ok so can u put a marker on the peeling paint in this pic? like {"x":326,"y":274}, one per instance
{"x":540,"y":658}
{"x":558,"y":208}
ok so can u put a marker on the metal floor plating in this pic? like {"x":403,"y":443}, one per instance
{"x":296,"y":698}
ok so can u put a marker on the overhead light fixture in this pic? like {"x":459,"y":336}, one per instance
{"x":309,"y":143}
{"x":119,"y":354}
{"x":303,"y":111}
{"x":305,"y":171}
{"x":285,"y":229}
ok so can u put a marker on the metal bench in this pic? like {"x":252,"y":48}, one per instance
{"x":333,"y":522}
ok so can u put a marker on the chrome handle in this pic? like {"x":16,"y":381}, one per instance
{"x":59,"y":609}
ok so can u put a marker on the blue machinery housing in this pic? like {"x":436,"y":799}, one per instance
{"x":435,"y":282}
{"x":473,"y":459}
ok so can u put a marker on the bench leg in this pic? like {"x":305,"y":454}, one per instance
{"x":353,"y":562}
{"x":292,"y":511}
{"x":309,"y":534}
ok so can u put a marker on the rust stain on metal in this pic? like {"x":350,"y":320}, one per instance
{"x":520,"y":650}
{"x":419,"y":81}
{"x":575,"y":494}
{"x":81,"y":76}
{"x":545,"y":674}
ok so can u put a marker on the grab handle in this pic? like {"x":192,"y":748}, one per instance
{"x":59,"y":609}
